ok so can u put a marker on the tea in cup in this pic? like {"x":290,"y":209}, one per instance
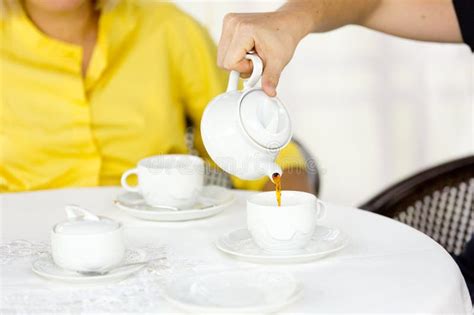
{"x":174,"y":180}
{"x":86,"y":242}
{"x":284,"y":228}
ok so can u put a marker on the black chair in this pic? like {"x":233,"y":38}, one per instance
{"x":215,"y":176}
{"x":438,"y":202}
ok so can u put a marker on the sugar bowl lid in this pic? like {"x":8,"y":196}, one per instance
{"x":83,"y":222}
{"x":265,"y":119}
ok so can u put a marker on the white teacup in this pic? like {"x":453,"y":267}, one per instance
{"x":174,"y":180}
{"x":286,"y":228}
{"x":86,"y":242}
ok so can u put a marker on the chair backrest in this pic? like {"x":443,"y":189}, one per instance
{"x":438,"y":202}
{"x":212,"y":175}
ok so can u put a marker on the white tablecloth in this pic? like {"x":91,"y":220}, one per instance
{"x":387,"y":266}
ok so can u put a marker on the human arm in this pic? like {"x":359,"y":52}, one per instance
{"x":275,"y":35}
{"x":427,"y":20}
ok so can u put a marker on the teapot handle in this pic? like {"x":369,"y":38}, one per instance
{"x":254,"y":77}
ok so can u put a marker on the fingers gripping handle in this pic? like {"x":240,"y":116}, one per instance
{"x":124,"y":183}
{"x":254,"y":77}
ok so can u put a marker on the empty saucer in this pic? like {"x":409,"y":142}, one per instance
{"x":324,"y":242}
{"x":242,"y":291}
{"x":213,"y":200}
{"x":46,"y":268}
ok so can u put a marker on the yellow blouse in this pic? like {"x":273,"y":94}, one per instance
{"x":152,"y":67}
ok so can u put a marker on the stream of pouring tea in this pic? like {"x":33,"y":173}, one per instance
{"x":277,"y":181}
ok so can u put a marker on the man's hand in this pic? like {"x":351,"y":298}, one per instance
{"x":273,"y":36}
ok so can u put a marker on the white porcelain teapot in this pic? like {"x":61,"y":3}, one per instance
{"x":243,"y":131}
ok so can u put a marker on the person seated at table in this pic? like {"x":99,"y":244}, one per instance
{"x":91,"y":87}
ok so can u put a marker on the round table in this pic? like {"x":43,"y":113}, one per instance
{"x":387,"y":266}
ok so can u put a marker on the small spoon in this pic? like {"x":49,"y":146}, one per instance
{"x":75,"y":212}
{"x":104,"y":272}
{"x":203,"y":201}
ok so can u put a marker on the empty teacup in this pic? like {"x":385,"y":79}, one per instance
{"x":86,"y":242}
{"x":287,"y":227}
{"x":174,"y":180}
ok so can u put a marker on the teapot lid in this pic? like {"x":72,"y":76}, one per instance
{"x":265,"y":119}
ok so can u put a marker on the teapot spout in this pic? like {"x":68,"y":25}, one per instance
{"x":271,"y":169}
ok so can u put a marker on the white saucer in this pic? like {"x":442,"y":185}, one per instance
{"x":242,"y":291}
{"x":213,"y":200}
{"x":325,"y":241}
{"x":46,"y":268}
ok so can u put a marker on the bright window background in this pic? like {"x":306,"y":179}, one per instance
{"x":371,"y":108}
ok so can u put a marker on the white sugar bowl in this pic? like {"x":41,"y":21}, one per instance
{"x":86,"y":242}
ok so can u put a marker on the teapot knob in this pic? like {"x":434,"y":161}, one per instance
{"x":268,"y":116}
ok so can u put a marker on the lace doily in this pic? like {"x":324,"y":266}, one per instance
{"x":19,"y":250}
{"x":136,"y":294}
